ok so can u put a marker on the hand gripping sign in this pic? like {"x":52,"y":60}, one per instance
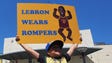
{"x":42,"y":23}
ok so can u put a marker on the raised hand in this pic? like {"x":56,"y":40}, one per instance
{"x":55,"y":9}
{"x":17,"y":38}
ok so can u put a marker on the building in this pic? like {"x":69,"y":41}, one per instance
{"x":87,"y":52}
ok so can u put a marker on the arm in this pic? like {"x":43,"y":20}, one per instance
{"x":72,"y":48}
{"x":54,"y":13}
{"x":28,"y":49}
{"x":70,"y":15}
{"x":31,"y":51}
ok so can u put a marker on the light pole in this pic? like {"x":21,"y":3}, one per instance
{"x":82,"y":50}
{"x":29,"y":60}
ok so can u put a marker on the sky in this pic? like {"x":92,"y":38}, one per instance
{"x":95,"y":15}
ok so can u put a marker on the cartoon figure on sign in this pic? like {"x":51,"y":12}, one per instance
{"x":63,"y":22}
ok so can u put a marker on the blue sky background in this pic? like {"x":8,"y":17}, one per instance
{"x":95,"y":15}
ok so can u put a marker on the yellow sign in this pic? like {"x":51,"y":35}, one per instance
{"x":43,"y":23}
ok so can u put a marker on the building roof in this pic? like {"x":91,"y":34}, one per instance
{"x":25,"y":55}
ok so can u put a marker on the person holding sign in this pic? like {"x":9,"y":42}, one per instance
{"x":54,"y":52}
{"x":63,"y":22}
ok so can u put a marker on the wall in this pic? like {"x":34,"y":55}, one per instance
{"x":102,"y":56}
